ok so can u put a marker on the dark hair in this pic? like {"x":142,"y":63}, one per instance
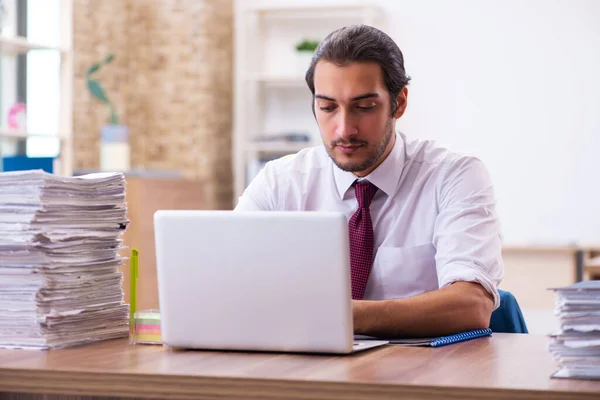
{"x":357,"y":43}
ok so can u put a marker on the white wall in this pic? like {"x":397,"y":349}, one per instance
{"x":517,"y":83}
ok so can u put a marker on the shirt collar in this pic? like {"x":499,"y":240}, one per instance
{"x":385,"y":176}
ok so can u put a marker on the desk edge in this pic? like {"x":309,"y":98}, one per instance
{"x":191,"y":387}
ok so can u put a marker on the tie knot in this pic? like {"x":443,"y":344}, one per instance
{"x":365,"y":191}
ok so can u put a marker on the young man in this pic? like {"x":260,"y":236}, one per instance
{"x":424,"y":235}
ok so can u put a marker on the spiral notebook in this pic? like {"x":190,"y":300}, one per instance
{"x":435,"y":341}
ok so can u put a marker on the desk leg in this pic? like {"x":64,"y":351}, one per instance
{"x":579,"y":267}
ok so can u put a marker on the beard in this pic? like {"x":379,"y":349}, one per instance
{"x":374,"y":152}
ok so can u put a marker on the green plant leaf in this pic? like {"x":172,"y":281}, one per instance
{"x":307,"y":45}
{"x":97,"y":90}
{"x":93,"y":69}
{"x":96,"y":67}
{"x":114,"y":120}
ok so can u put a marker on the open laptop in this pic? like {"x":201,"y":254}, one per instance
{"x":255,"y":281}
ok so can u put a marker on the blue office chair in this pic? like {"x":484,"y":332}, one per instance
{"x":508,"y":317}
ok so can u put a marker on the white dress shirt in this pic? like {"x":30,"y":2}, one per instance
{"x":434,"y":216}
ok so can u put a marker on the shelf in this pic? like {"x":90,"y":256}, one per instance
{"x":9,"y":133}
{"x":13,"y":133}
{"x":20,"y":45}
{"x":594,"y":262}
{"x":278,"y":147}
{"x":313,"y":13}
{"x":279,"y":80}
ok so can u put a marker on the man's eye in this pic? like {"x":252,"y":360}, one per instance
{"x":365,"y":108}
{"x":327,"y":108}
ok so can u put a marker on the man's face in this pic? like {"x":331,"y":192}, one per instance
{"x":352,"y":108}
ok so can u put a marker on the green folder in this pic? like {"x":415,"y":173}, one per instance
{"x":133,"y":275}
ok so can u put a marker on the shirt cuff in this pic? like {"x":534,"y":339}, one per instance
{"x":464,"y":273}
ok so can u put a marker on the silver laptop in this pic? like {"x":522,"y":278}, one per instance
{"x":255,"y":281}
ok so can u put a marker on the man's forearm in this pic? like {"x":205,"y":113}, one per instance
{"x":456,"y":308}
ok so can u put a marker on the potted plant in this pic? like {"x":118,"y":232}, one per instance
{"x":114,"y":144}
{"x":305,"y":50}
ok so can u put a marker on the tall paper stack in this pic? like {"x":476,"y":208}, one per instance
{"x":59,"y":242}
{"x":576,"y":347}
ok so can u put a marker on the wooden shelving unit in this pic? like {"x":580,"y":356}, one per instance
{"x":592,"y":265}
{"x":271,"y":96}
{"x":15,"y":45}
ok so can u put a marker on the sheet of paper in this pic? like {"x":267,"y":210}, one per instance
{"x":576,"y":347}
{"x":60,"y":245}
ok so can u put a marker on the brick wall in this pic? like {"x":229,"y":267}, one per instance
{"x":170,"y":82}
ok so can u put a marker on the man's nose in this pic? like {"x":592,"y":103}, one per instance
{"x":345,"y":128}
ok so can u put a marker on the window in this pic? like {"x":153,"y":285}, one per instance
{"x":9,"y":78}
{"x":42,"y":77}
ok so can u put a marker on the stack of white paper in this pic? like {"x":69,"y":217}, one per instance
{"x":59,"y":242}
{"x":576,"y":347}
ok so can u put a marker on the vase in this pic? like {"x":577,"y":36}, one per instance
{"x":114,"y":148}
{"x":303,"y":60}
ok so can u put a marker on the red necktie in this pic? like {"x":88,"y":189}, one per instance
{"x":361,"y":239}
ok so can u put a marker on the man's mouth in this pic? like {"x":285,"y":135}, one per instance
{"x":348,"y":149}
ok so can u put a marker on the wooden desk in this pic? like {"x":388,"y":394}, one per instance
{"x":505,"y":366}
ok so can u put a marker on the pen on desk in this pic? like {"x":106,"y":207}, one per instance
{"x":133,"y":275}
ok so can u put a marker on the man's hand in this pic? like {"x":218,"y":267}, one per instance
{"x":456,"y":308}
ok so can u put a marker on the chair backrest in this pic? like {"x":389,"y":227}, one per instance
{"x":508,"y":318}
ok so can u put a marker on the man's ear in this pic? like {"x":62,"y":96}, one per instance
{"x":401,"y":102}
